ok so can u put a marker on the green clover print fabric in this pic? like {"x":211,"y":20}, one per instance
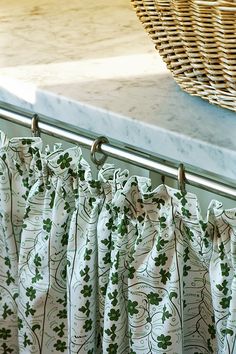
{"x":109,"y":265}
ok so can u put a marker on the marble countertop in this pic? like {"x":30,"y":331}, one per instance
{"x":92,"y":64}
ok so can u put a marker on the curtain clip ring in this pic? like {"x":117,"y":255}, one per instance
{"x":34,"y":126}
{"x":181,"y":179}
{"x":96,"y":148}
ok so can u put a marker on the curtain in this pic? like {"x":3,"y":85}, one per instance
{"x":109,"y":265}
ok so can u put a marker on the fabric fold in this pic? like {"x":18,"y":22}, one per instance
{"x":109,"y":265}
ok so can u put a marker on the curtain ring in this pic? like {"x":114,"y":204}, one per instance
{"x":34,"y":126}
{"x":96,"y":148}
{"x":181,"y":179}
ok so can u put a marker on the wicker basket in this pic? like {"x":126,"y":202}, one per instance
{"x":197,"y":41}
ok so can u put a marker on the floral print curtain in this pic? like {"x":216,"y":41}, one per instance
{"x":109,"y":265}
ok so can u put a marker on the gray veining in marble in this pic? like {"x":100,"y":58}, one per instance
{"x":92,"y":64}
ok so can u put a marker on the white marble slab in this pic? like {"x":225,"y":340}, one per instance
{"x":91,"y":63}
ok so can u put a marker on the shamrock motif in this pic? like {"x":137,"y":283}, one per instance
{"x":164,"y":341}
{"x":111,"y":332}
{"x":27,"y":341}
{"x":225,"y":302}
{"x":131,"y":271}
{"x":62,"y":314}
{"x":60,"y":329}
{"x":132,"y":307}
{"x":31,"y":293}
{"x":114,"y":314}
{"x":154,"y":298}
{"x":47,"y":225}
{"x":212,"y":331}
{"x":161,"y":259}
{"x":225,"y":269}
{"x":165,"y":275}
{"x":88,"y":325}
{"x":87,"y":290}
{"x":60,"y":346}
{"x":112,"y":349}
{"x":64,"y":161}
{"x":5,"y":333}
{"x":6,"y":349}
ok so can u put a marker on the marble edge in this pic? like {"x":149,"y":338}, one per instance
{"x":140,"y":135}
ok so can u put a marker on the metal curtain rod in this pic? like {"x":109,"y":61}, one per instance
{"x":193,"y":179}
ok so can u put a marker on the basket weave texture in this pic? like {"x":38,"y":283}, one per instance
{"x":197,"y":41}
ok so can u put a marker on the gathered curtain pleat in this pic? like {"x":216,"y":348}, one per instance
{"x":109,"y":265}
